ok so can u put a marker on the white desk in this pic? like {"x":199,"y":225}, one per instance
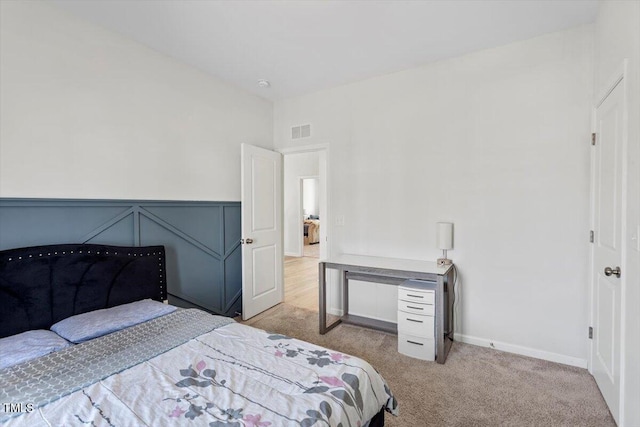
{"x":391,"y":271}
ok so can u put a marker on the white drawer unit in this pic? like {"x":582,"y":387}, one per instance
{"x":421,"y":296}
{"x":416,"y":323}
{"x":418,"y":347}
{"x":415,"y":308}
{"x":424,"y":294}
{"x":413,"y":324}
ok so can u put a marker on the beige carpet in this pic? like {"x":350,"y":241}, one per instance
{"x":476,"y":386}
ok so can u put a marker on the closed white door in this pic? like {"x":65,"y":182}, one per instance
{"x":262,"y":259}
{"x":607,"y":247}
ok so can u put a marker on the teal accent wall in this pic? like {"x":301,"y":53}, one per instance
{"x":202,"y":239}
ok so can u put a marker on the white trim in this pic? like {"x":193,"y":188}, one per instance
{"x":624,"y":206}
{"x":369,"y":316}
{"x":619,"y":77}
{"x":325,"y":208}
{"x":335,"y":311}
{"x":293,"y":254}
{"x":523,"y":351}
{"x":592,"y":207}
{"x":326,"y":172}
{"x":301,"y":179}
{"x":303,"y":149}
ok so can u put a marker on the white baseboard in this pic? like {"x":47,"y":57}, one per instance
{"x":296,"y":254}
{"x":369,"y":316}
{"x":334,"y":311}
{"x":502,"y":346}
{"x":524,"y":351}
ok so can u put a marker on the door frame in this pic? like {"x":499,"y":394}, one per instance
{"x":247,"y":152}
{"x":325,"y":194}
{"x":301,"y":209}
{"x":619,"y":77}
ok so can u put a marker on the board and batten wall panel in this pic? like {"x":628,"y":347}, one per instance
{"x":202,"y":239}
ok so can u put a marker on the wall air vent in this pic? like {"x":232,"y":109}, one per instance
{"x":302,"y":131}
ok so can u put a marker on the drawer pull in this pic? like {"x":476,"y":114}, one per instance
{"x":415,"y":308}
{"x":415,"y":296}
{"x":413,"y":342}
{"x":413,"y":320}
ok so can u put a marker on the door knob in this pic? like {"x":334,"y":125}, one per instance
{"x":608,"y":271}
{"x":248,"y":241}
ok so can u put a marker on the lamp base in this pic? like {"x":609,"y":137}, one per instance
{"x":443,"y":261}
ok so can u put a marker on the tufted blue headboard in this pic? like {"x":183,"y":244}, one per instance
{"x":42,"y":285}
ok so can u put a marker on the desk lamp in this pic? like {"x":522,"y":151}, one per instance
{"x":444,"y":234}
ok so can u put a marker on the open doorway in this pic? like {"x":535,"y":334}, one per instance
{"x":310,"y":188}
{"x":305,"y":224}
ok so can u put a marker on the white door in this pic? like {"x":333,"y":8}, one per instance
{"x":607,"y":253}
{"x":262,"y":260}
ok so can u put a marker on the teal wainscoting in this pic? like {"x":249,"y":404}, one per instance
{"x":202,"y":239}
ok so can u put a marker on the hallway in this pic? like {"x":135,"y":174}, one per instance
{"x":301,"y":281}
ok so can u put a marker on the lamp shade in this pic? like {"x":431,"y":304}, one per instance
{"x":444,"y":235}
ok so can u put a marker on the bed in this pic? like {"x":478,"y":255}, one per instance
{"x":122,"y":357}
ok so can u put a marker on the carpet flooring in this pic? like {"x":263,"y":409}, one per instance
{"x":477,"y":386}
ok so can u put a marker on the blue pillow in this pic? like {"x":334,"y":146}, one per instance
{"x":85,"y":326}
{"x":29,"y":345}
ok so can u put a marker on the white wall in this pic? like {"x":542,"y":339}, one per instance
{"x":311,"y":196}
{"x":86,"y":113}
{"x":296,"y":166}
{"x":496,"y":142}
{"x":617,"y":36}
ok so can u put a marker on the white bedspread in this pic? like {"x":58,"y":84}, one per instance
{"x":234,"y":376}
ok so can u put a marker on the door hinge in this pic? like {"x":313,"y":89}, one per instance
{"x":591,"y":236}
{"x":593,"y":139}
{"x":590,"y":332}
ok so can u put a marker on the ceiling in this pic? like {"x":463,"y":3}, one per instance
{"x":305,"y":46}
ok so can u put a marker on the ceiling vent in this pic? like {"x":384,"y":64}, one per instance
{"x":302,"y":131}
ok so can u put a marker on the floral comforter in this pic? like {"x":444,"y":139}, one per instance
{"x":234,"y":376}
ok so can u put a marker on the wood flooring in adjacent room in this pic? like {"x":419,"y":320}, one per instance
{"x":301,"y":281}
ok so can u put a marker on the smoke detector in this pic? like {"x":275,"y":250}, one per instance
{"x":264,"y":83}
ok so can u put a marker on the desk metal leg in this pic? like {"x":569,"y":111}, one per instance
{"x":322,"y":305}
{"x":322,"y":298}
{"x":345,"y":294}
{"x":443,"y":343}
